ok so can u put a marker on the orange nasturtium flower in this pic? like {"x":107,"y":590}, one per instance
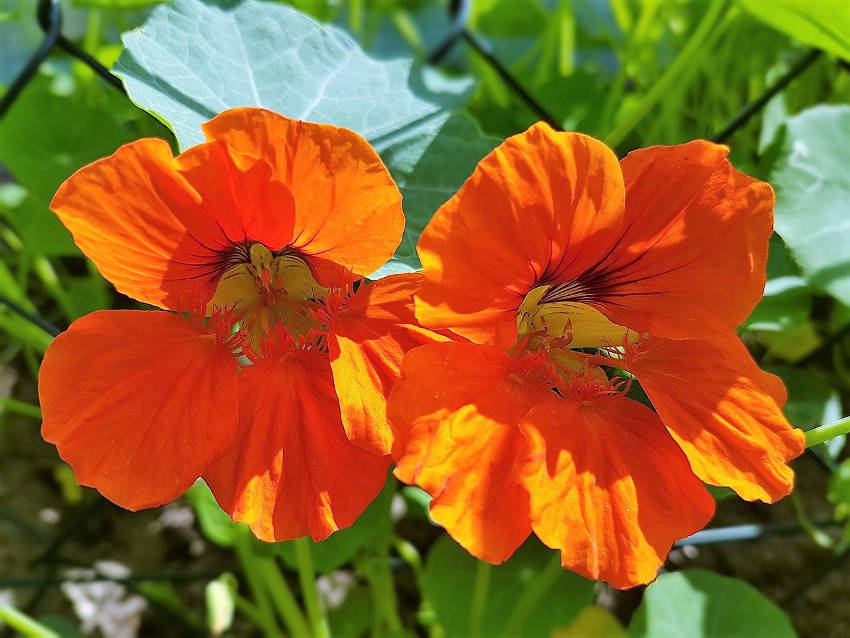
{"x":554,"y":260}
{"x":262,"y":235}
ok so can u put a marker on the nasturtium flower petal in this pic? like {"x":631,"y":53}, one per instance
{"x":543,"y":204}
{"x":347,"y":207}
{"x":159,"y":228}
{"x":291,"y":471}
{"x":454,"y":413}
{"x":723,"y":411}
{"x":138,"y":403}
{"x":367,"y":339}
{"x":608,"y":487}
{"x":690,"y":262}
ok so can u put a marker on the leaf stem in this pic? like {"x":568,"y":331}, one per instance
{"x":19,"y":407}
{"x":24,"y":625}
{"x":251,"y":568}
{"x":283,"y":599}
{"x":307,"y":576}
{"x":824,"y":433}
{"x":479,"y":598}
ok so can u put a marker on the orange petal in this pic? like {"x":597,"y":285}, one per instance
{"x":291,"y":471}
{"x":542,"y":204}
{"x":347,"y":207}
{"x":608,"y":487}
{"x":454,"y":413}
{"x":367,"y":340}
{"x":138,"y":403}
{"x":159,"y":228}
{"x":723,"y":411}
{"x":691,"y":261}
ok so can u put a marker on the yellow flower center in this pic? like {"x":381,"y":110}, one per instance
{"x":549,"y":319}
{"x":269,"y":289}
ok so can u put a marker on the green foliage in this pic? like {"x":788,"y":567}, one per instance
{"x":328,"y":555}
{"x":43,"y":139}
{"x":241,"y":51}
{"x":215,"y":523}
{"x":700,"y":604}
{"x":341,"y":547}
{"x":449,"y":583}
{"x":592,"y":622}
{"x":787,"y":300}
{"x":824,"y":24}
{"x":813,"y":196}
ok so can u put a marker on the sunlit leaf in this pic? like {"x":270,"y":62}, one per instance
{"x":813,"y":196}
{"x":824,"y":24}
{"x":700,"y":604}
{"x":215,"y":523}
{"x":191,"y":60}
{"x":787,"y":300}
{"x":449,"y":581}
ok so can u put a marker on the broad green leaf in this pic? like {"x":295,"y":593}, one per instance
{"x":449,"y":580}
{"x":215,"y":523}
{"x":787,"y":300}
{"x":340,"y":547}
{"x":46,"y":136}
{"x":700,"y":604}
{"x":592,"y":622}
{"x":812,"y":401}
{"x":192,"y":60}
{"x":813,"y":196}
{"x":824,"y":24}
{"x":793,"y":344}
{"x":429,"y":169}
{"x":353,"y":616}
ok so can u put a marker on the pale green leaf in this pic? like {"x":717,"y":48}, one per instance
{"x":700,"y":604}
{"x":192,"y":60}
{"x":449,"y":580}
{"x":813,"y":196}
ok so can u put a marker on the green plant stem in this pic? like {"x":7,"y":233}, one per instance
{"x":824,"y":433}
{"x":24,"y":625}
{"x":283,"y":599}
{"x":386,"y":586}
{"x":251,"y":567}
{"x":531,"y":596}
{"x":688,"y":56}
{"x":307,"y":576}
{"x":48,"y":276}
{"x":479,"y":598}
{"x":250,"y":610}
{"x":818,"y":536}
{"x":19,"y":407}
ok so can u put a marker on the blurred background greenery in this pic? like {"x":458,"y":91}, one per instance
{"x":632,"y":72}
